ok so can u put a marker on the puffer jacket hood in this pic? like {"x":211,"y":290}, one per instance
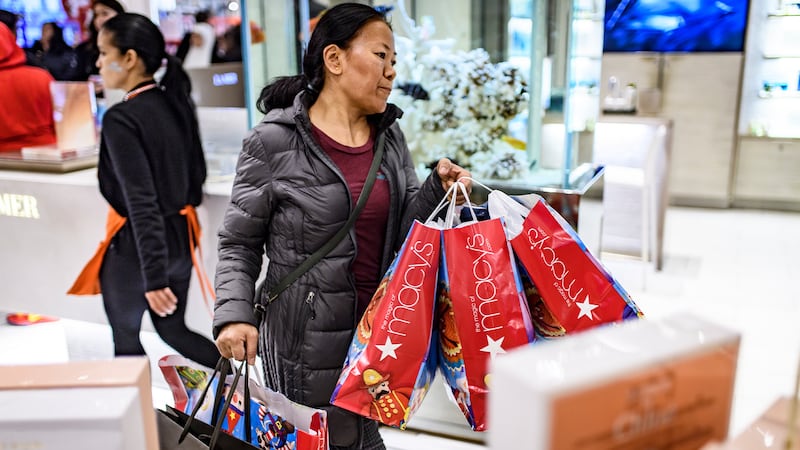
{"x":11,"y":55}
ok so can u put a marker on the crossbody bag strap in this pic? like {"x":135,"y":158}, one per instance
{"x":334,"y":241}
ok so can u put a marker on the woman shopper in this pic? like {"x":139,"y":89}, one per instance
{"x":151,"y":172}
{"x":299,"y":175}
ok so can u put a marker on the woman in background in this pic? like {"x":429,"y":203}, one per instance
{"x":198,"y":46}
{"x":151,"y":172}
{"x":86,"y":51}
{"x":54,"y":54}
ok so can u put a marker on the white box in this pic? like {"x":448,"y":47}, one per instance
{"x":638,"y":384}
{"x":84,"y":405}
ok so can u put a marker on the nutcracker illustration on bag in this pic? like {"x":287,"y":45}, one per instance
{"x":389,"y":405}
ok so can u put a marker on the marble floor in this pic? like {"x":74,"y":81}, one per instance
{"x":734,"y":267}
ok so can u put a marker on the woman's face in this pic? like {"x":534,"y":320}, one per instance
{"x":101,"y":14}
{"x":110,"y":62}
{"x":47,"y":32}
{"x":368,"y":68}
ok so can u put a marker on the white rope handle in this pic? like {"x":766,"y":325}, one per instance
{"x":444,"y":202}
{"x":475,"y":182}
{"x":451,"y":214}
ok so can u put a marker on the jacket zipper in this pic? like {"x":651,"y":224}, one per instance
{"x":310,"y":303}
{"x":305,"y":131}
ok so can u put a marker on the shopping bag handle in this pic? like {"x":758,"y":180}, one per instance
{"x":218,"y":426}
{"x":445,"y":201}
{"x":474,"y":181}
{"x":458,"y":185}
{"x":221,"y":369}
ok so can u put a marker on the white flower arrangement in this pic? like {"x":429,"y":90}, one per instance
{"x":470,"y":102}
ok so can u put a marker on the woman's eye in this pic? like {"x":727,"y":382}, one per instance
{"x":381,"y":55}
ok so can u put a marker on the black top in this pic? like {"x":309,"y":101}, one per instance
{"x":151,"y":165}
{"x":86,"y":57}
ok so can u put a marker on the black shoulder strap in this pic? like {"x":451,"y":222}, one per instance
{"x":334,"y":241}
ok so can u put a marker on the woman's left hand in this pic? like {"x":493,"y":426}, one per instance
{"x":449,"y":173}
{"x":162,"y":301}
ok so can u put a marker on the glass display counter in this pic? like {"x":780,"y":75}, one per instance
{"x":58,"y":219}
{"x":16,"y":161}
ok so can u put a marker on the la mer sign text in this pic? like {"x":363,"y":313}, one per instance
{"x":17,"y":205}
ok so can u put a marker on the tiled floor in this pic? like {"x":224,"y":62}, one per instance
{"x":735,"y":267}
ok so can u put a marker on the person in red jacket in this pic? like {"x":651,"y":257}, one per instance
{"x":26,"y":111}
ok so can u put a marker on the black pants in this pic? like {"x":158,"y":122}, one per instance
{"x":124,"y":301}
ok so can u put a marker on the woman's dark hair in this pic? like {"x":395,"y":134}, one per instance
{"x":57,"y":43}
{"x":339,"y":25}
{"x":93,"y":31}
{"x":136,"y":32}
{"x":9,"y":19}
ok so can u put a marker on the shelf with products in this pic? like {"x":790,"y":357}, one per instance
{"x":766,"y":55}
{"x":768,"y":145}
{"x":780,"y":14}
{"x":779,"y":94}
{"x":772,"y":63}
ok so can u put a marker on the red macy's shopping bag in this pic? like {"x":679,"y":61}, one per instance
{"x":391,"y":360}
{"x":486,"y":314}
{"x":575,"y":287}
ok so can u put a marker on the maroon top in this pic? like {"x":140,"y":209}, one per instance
{"x":354,"y":163}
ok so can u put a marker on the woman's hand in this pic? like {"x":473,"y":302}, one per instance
{"x":238,"y":340}
{"x":162,"y":301}
{"x":449,"y":173}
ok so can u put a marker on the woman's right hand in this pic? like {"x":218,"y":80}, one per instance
{"x":238,"y":341}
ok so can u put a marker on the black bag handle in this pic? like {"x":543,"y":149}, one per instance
{"x":218,"y":426}
{"x":276,"y":290}
{"x":223,"y":366}
{"x":221,"y":370}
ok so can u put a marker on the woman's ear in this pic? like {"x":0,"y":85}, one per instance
{"x":130,"y":59}
{"x":332,"y":58}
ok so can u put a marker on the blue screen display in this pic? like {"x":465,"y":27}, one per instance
{"x":675,"y":25}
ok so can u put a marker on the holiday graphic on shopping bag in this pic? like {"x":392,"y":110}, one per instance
{"x":545,"y":325}
{"x":451,"y":358}
{"x":576,"y":289}
{"x":275,"y":421}
{"x":391,"y":361}
{"x":488,"y":309}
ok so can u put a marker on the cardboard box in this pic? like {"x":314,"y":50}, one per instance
{"x":652,"y":384}
{"x":78,"y":405}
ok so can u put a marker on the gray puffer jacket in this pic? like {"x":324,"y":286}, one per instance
{"x":288,"y":199}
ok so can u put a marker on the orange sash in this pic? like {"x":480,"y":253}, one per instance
{"x":88,"y":281}
{"x":206,"y":288}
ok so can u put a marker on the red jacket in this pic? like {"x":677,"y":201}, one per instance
{"x":26,"y":108}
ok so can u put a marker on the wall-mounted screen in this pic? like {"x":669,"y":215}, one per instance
{"x":675,"y":25}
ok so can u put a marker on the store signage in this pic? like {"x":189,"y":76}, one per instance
{"x":225,"y":79}
{"x":18,"y":205}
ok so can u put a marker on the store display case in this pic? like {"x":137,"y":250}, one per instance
{"x":480,"y":106}
{"x":768,"y":155}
